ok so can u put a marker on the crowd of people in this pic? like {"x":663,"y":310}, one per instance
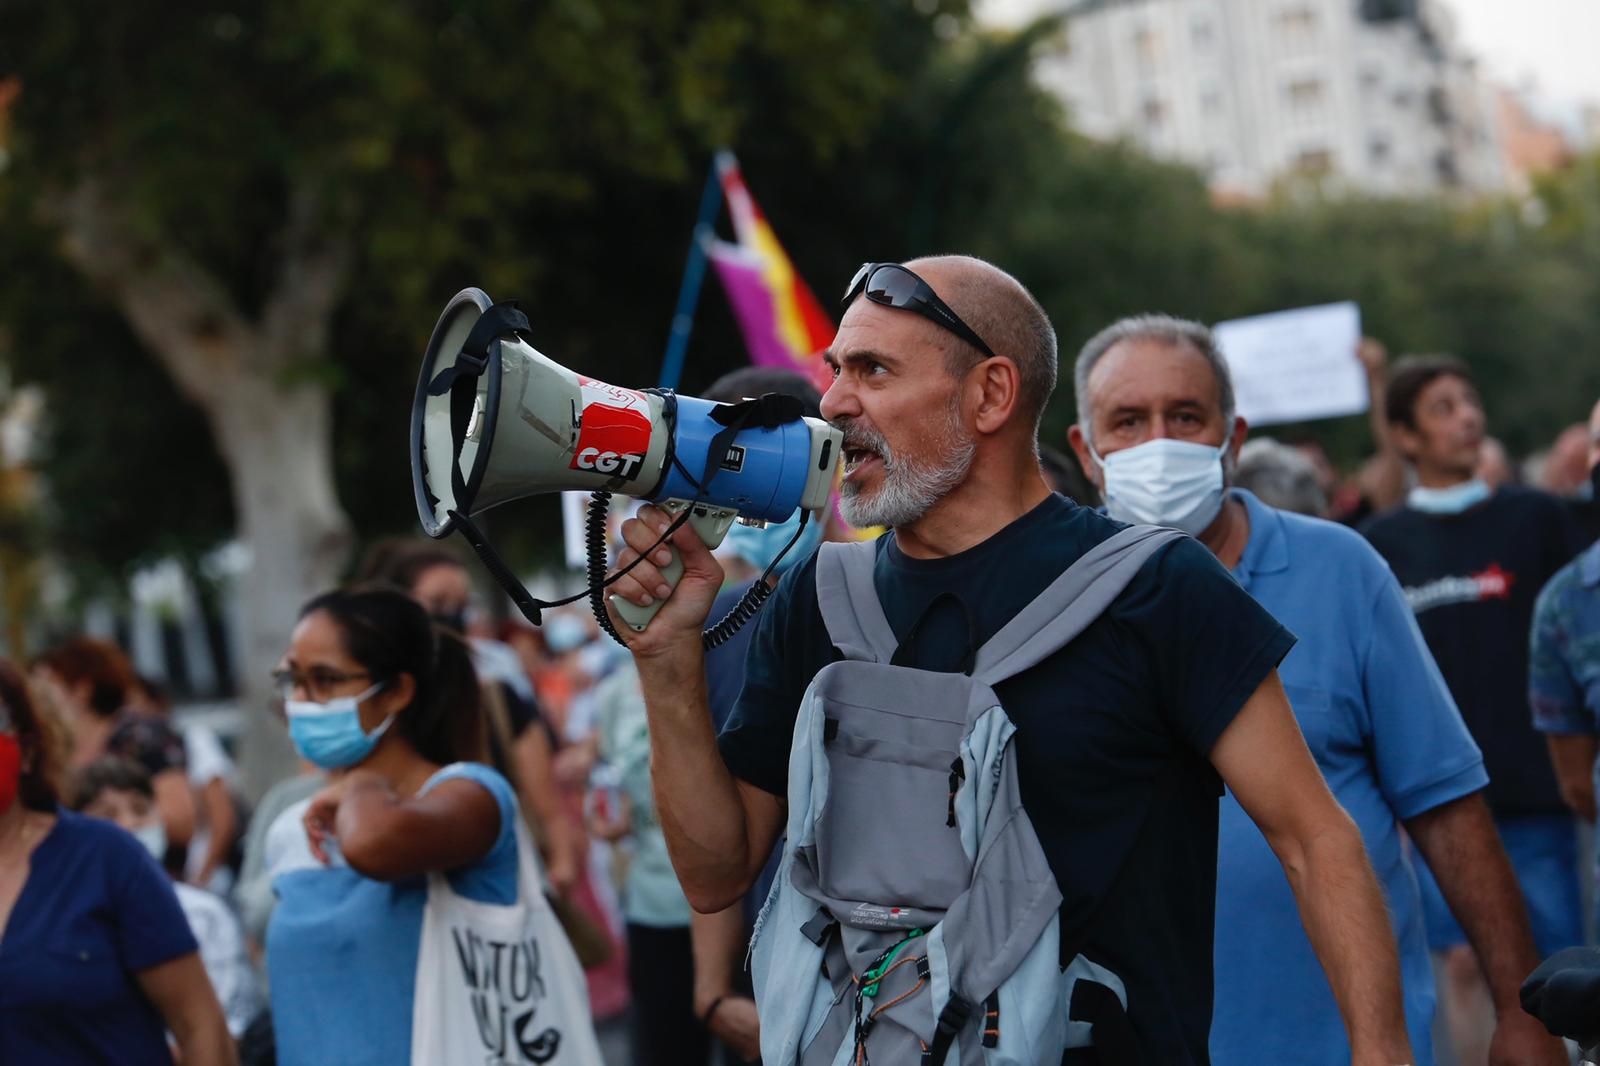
{"x":1024,"y":778}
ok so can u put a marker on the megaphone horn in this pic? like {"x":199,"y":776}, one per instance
{"x":494,"y":420}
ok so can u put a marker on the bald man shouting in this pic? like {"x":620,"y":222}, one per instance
{"x":1103,"y":771}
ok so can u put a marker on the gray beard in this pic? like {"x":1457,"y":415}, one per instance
{"x":910,"y":487}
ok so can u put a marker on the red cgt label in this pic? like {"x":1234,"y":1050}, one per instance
{"x":613,"y":430}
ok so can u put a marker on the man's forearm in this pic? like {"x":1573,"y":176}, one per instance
{"x":1345,"y":917}
{"x":718,"y":943}
{"x":697,"y":800}
{"x":1462,"y":848}
{"x":1573,"y":756}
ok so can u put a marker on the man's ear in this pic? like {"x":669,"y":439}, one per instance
{"x":1241,"y":431}
{"x":1406,"y":439}
{"x":997,"y":383}
{"x":1080,"y":448}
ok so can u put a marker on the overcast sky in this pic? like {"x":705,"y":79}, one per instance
{"x":1554,"y":41}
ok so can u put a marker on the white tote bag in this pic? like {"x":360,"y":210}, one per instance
{"x":499,"y":985}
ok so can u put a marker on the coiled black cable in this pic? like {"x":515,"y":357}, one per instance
{"x":594,"y":537}
{"x":735,"y":619}
{"x":719,"y":634}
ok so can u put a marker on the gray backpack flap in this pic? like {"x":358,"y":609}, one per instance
{"x":931,"y":914}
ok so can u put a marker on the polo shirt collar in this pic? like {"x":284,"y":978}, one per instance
{"x":1589,"y":566}
{"x":1267,"y":550}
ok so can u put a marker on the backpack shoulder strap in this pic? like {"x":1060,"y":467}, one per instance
{"x":1070,"y":603}
{"x":850,"y":608}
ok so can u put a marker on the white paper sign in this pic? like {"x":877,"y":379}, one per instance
{"x":573,"y":507}
{"x":1295,"y":366}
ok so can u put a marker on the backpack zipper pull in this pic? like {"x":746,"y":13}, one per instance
{"x":958,"y":774}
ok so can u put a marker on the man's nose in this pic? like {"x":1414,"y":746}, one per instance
{"x":840,"y":401}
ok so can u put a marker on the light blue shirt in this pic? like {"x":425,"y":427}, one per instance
{"x":1378,"y":718}
{"x":342,"y":948}
{"x":651,"y":895}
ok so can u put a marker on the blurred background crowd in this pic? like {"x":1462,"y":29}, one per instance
{"x":228,"y":228}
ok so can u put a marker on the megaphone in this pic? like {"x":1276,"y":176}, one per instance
{"x":495,"y":420}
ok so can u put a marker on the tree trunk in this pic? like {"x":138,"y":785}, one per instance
{"x":275,"y":437}
{"x":278,"y":445}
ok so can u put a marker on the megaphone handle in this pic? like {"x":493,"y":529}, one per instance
{"x":712,"y":523}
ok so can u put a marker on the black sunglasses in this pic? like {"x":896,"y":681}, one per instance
{"x":892,"y":285}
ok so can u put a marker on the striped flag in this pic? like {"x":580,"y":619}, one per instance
{"x":782,"y":322}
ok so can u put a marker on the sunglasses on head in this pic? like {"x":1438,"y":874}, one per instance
{"x":892,"y":285}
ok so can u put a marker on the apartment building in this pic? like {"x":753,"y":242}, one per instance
{"x":1373,"y":95}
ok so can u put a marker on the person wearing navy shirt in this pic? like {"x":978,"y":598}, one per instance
{"x":97,"y":962}
{"x":1471,"y":561}
{"x":1124,"y":737}
{"x":1373,"y":707}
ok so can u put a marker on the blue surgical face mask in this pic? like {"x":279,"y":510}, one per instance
{"x":1453,"y":500}
{"x":329,"y":734}
{"x":759,"y":547}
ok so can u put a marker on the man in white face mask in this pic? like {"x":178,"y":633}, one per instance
{"x":1158,"y":432}
{"x":943,"y":367}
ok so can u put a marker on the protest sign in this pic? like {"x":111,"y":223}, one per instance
{"x":1295,"y":366}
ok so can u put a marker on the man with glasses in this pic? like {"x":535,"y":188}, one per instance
{"x":1124,"y":736}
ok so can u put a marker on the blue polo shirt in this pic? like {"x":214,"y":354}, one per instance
{"x":1380,"y":721}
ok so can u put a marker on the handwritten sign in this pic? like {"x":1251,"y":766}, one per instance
{"x":1296,"y":366}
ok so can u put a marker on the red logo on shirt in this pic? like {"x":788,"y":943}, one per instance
{"x":1490,"y":583}
{"x":1494,"y":583}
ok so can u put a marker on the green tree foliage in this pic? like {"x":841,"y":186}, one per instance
{"x":554,"y":152}
{"x":131,"y":471}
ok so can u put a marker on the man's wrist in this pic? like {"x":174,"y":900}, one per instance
{"x":678,"y":651}
{"x":704,"y":998}
{"x":676,"y":668}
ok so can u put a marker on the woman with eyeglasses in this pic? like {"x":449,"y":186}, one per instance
{"x":386,"y":702}
{"x":97,"y":961}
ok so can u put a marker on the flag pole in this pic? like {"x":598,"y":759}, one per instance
{"x":694,"y":272}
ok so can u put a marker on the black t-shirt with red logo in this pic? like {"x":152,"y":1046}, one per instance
{"x":1472,"y":579}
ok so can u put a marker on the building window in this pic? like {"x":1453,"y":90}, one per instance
{"x":1297,"y":25}
{"x":1201,"y":33}
{"x":1314,"y":161}
{"x":1447,"y":168}
{"x":1305,"y":94}
{"x":1371,"y":79}
{"x":1155,"y":112}
{"x":1211,"y":100}
{"x":1147,"y":45}
{"x":1379,"y":150}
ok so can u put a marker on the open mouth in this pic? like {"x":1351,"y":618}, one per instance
{"x":857,"y":458}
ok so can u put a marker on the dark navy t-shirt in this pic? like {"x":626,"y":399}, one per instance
{"x":1472,"y":580}
{"x":95,"y":911}
{"x":1113,"y":733}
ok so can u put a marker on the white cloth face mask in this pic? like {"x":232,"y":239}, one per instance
{"x":1165,"y":482}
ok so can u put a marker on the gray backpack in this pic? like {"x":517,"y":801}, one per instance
{"x":914,"y":920}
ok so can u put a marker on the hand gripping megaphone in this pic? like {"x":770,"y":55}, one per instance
{"x":495,"y":420}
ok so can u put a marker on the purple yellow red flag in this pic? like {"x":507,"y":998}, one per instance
{"x":782,"y":322}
